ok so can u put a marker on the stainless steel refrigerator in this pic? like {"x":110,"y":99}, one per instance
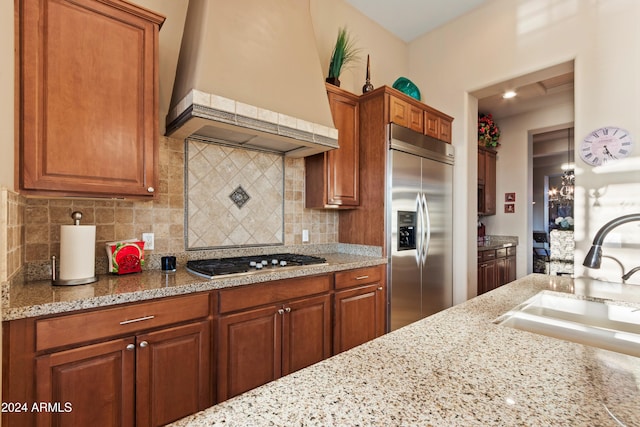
{"x":419,"y":226}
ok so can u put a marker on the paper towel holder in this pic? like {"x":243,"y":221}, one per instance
{"x":76,"y":216}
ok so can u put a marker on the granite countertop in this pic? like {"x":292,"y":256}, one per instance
{"x":455,"y":368}
{"x":29,"y":299}
{"x":496,"y":242}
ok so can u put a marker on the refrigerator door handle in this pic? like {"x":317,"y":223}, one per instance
{"x":426,"y":230}
{"x":419,"y":228}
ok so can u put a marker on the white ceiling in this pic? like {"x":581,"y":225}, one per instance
{"x":409,"y":19}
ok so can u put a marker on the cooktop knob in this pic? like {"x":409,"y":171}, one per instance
{"x":264,"y":262}
{"x":252,"y":264}
{"x":274,"y":262}
{"x":283,"y":263}
{"x":259,"y":266}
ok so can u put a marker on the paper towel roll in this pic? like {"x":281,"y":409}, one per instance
{"x":77,"y":252}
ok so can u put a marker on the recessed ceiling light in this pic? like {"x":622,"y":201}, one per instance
{"x":509,"y":94}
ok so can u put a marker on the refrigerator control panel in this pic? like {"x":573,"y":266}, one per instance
{"x":406,"y":230}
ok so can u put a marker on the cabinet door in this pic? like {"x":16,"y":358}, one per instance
{"x":88,"y":98}
{"x":398,"y":112}
{"x":502,"y":271}
{"x":431,"y":124}
{"x":511,"y":269}
{"x":490,"y":184}
{"x":343,"y":164}
{"x":486,"y":182}
{"x":416,"y":119}
{"x":359,"y":316}
{"x":249,"y":350}
{"x":445,"y":130}
{"x":482,"y":158}
{"x":307,"y":333}
{"x":487,"y":276}
{"x":97,"y":381}
{"x":173,"y":373}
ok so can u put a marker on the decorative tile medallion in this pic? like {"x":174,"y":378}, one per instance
{"x":239,"y":197}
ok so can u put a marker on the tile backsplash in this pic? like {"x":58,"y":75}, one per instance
{"x":164,"y":216}
{"x":235,"y":197}
{"x":11,"y":233}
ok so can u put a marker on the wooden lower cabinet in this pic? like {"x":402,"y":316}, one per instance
{"x":144,"y":376}
{"x":486,"y":276}
{"x":496,"y":267}
{"x":262,"y":344}
{"x":173,"y":373}
{"x":151,"y":363}
{"x":147,"y":380}
{"x":93,"y":384}
{"x":359,"y":307}
{"x":360,"y":316}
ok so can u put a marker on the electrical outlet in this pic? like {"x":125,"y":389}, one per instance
{"x":305,"y":236}
{"x":149,"y":240}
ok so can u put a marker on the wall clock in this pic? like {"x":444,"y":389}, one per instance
{"x":605,"y":144}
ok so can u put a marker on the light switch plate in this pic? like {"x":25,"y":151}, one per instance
{"x":305,"y":236}
{"x":149,"y":240}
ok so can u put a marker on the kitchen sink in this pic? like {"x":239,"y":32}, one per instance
{"x":599,"y":324}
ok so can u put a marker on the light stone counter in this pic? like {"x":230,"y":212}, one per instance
{"x":29,"y":299}
{"x":455,"y":368}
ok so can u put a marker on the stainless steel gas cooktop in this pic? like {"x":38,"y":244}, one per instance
{"x":211,"y":268}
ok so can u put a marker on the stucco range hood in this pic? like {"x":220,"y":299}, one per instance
{"x":249,"y":75}
{"x":216,"y":119}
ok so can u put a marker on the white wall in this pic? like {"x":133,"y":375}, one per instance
{"x":389,"y":55}
{"x":505,"y":39}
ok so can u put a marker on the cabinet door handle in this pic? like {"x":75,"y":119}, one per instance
{"x":362,"y":277}
{"x":144,"y":344}
{"x":131,"y":347}
{"x":287,"y":310}
{"x":150,"y":189}
{"x":139,"y":319}
{"x":380,"y":288}
{"x":280,"y":311}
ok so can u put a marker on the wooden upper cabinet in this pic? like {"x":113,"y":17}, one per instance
{"x":437,"y":126}
{"x":88,"y":98}
{"x":332,"y":178}
{"x":486,"y":181}
{"x":408,"y":112}
{"x":405,"y":114}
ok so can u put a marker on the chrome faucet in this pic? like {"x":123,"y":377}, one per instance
{"x":594,"y":257}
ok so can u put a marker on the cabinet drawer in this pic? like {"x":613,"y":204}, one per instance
{"x":488,"y":255}
{"x":360,"y":276}
{"x":96,"y":325}
{"x":501,"y":253}
{"x":248,"y":296}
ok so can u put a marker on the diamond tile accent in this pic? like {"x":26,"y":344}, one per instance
{"x":235,"y":197}
{"x":239,"y":197}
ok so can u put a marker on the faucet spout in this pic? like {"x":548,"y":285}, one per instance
{"x":594,"y":256}
{"x":630,"y":273}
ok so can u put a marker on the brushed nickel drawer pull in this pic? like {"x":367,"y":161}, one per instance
{"x":139,"y":319}
{"x":362,"y":277}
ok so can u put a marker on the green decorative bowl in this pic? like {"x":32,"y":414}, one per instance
{"x":406,"y":86}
